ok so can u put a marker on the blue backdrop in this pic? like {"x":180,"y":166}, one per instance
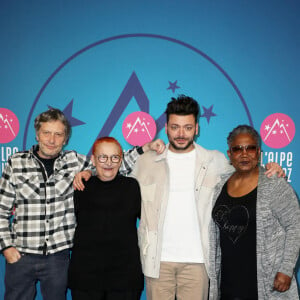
{"x":101,"y":60}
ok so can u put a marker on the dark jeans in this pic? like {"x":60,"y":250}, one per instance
{"x":51,"y":270}
{"x":105,"y":295}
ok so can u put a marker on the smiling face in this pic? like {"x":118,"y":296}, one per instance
{"x":181,"y":131}
{"x":51,"y":138}
{"x":107,"y":160}
{"x":244,"y":153}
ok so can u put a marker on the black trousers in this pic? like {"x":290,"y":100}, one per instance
{"x":105,"y":295}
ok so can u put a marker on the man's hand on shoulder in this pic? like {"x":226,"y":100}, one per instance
{"x":274,"y":168}
{"x":78,"y":179}
{"x":157,"y":145}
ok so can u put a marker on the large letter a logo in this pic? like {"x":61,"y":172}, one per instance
{"x":133,"y":89}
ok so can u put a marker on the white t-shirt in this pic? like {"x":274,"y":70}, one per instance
{"x":181,"y":234}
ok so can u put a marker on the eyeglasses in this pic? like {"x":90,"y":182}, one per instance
{"x":102,"y":158}
{"x":239,"y":149}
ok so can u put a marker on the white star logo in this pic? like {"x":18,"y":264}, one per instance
{"x":267,"y":127}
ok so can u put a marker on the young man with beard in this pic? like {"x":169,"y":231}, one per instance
{"x":177,"y":188}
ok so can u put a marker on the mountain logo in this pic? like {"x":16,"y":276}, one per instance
{"x":139,"y":128}
{"x":9,"y":126}
{"x":277,"y":130}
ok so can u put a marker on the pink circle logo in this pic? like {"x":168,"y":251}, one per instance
{"x":139,"y":128}
{"x":277,"y":130}
{"x":9,"y":125}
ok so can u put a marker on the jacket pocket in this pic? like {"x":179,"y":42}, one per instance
{"x":28,"y":189}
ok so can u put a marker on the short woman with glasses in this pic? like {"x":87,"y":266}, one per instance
{"x":255,"y":229}
{"x":105,"y":261}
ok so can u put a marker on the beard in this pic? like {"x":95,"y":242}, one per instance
{"x":179,"y":147}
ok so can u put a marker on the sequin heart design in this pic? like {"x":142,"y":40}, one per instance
{"x":232,"y":221}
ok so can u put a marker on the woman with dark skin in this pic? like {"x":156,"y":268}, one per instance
{"x":105,"y":263}
{"x":255,"y":228}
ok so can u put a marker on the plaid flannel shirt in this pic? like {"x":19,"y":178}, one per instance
{"x":44,"y":220}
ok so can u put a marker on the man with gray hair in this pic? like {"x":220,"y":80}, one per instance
{"x":36,"y":186}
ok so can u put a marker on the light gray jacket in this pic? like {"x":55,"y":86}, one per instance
{"x":277,"y":235}
{"x":152,"y":172}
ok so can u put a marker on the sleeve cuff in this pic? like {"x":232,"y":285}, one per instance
{"x":5,"y":248}
{"x":140,"y":150}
